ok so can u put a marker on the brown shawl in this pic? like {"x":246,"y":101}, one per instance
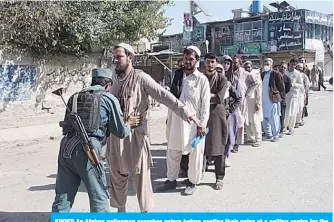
{"x":126,"y":91}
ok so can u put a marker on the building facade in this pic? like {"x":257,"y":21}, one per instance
{"x":279,"y":35}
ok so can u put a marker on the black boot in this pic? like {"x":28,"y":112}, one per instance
{"x":168,"y":185}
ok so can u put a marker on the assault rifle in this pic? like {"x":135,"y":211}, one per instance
{"x":86,"y":142}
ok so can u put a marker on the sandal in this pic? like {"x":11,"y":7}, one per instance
{"x":235,"y":149}
{"x":256,"y":144}
{"x":219,"y":185}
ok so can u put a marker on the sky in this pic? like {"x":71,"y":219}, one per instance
{"x":222,"y":10}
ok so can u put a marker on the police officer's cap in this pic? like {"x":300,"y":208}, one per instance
{"x":102,"y":73}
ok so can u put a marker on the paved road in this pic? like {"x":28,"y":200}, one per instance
{"x":294,"y":174}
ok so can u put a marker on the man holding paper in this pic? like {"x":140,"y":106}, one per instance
{"x":131,"y":156}
{"x":195,"y":94}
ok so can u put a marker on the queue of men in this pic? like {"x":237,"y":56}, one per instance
{"x":262,"y":106}
{"x":231,"y":100}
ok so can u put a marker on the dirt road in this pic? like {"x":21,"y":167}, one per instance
{"x":294,"y":174}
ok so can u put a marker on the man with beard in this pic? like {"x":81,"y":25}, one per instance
{"x":303,"y":96}
{"x":305,"y":70}
{"x":253,"y":129}
{"x":246,"y":85}
{"x":272,"y":93}
{"x":287,"y":85}
{"x":293,"y":103}
{"x":73,"y":163}
{"x":195,"y":93}
{"x":231,"y":145}
{"x":132,"y":155}
{"x":216,"y":139}
{"x":232,"y":103}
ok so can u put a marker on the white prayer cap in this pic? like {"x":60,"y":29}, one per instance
{"x":248,"y":62}
{"x":269,"y":60}
{"x":196,"y":49}
{"x":127,"y":47}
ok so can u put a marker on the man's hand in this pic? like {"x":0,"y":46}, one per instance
{"x":195,"y":119}
{"x":134,"y":121}
{"x":200,"y":131}
{"x":257,"y":107}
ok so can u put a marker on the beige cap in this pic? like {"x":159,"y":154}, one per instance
{"x":127,"y":47}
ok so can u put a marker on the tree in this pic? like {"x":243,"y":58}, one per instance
{"x":73,"y":27}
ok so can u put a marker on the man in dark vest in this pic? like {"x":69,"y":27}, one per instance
{"x":101,"y":115}
{"x":287,"y":85}
{"x":273,"y":91}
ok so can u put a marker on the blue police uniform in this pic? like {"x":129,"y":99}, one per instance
{"x":73,"y":164}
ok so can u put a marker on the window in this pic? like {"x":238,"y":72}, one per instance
{"x":248,"y":32}
{"x":317,"y":32}
{"x":238,"y":36}
{"x":257,"y":35}
{"x":257,"y":25}
{"x":238,"y":27}
{"x":247,"y":36}
{"x":247,"y":26}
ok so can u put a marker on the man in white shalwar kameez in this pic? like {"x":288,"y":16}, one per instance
{"x":131,"y":156}
{"x":254,"y":103}
{"x":303,"y":95}
{"x":195,"y":94}
{"x":293,"y":103}
{"x":246,"y":85}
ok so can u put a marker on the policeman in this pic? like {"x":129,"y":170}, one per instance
{"x":101,"y":115}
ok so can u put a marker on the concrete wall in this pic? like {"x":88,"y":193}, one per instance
{"x":26,"y":82}
{"x":328,"y":65}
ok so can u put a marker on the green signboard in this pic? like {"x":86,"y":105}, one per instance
{"x":245,"y":48}
{"x":255,"y":48}
{"x":230,"y":50}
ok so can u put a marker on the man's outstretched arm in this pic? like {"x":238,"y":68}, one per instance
{"x":157,"y":92}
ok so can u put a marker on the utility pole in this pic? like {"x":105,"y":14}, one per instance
{"x":194,"y":9}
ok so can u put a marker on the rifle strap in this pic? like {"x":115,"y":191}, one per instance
{"x":75,"y":103}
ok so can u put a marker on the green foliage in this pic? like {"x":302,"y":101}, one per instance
{"x":73,"y":27}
